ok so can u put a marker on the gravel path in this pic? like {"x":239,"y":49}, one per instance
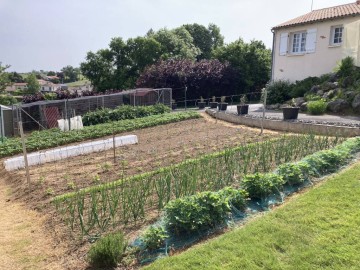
{"x":255,"y":111}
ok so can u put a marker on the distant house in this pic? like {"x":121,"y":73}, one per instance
{"x":45,"y":86}
{"x":314,"y":43}
{"x":16,"y":86}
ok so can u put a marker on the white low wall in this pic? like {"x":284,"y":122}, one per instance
{"x":68,"y":151}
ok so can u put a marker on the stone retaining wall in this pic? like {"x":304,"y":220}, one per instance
{"x":296,"y":127}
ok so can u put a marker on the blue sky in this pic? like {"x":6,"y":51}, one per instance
{"x":49,"y":34}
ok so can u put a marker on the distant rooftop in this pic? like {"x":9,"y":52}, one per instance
{"x":346,"y":10}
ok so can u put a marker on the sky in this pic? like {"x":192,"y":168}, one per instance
{"x":49,"y":34}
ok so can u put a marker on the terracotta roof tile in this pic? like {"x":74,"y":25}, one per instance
{"x":324,"y":14}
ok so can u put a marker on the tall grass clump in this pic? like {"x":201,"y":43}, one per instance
{"x":108,"y":251}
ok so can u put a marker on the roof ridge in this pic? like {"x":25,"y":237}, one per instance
{"x":350,"y":9}
{"x":352,"y":3}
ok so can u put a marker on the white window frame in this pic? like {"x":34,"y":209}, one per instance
{"x":300,"y":38}
{"x":336,"y":40}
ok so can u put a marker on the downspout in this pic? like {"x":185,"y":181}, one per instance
{"x":273,"y":56}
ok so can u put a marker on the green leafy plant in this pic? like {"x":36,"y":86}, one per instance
{"x":50,"y":191}
{"x":261,"y":185}
{"x":317,"y":107}
{"x":71,"y":185}
{"x":108,"y":251}
{"x":154,"y":237}
{"x":122,"y":113}
{"x":294,"y":173}
{"x":236,"y":197}
{"x":198,"y":212}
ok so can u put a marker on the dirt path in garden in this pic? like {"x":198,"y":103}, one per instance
{"x":24,"y":242}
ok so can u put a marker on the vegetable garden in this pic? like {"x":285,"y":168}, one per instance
{"x":184,"y":164}
{"x":93,"y":210}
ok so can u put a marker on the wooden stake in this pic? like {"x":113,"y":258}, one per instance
{"x":114,"y":148}
{"x":24,"y":152}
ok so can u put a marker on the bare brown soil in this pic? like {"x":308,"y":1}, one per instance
{"x":158,"y":147}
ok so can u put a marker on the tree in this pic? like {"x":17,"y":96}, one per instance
{"x":33,"y":86}
{"x":252,"y":62}
{"x":206,"y":39}
{"x":99,"y":69}
{"x":51,"y":73}
{"x":16,"y":77}
{"x":176,"y":44}
{"x":71,"y":74}
{"x":4,"y":78}
{"x":203,"y":78}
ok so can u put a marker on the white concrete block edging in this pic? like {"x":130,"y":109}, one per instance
{"x":295,"y":127}
{"x":46,"y":156}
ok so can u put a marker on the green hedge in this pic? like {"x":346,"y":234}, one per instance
{"x":54,"y":137}
{"x":122,"y":113}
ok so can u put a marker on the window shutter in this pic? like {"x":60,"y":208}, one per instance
{"x":311,"y":40}
{"x":284,"y":43}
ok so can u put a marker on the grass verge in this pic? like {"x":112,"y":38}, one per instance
{"x":318,"y":230}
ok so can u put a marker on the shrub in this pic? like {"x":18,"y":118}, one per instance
{"x":261,"y":185}
{"x":317,"y":107}
{"x":7,"y":100}
{"x":301,"y":87}
{"x":346,"y":67}
{"x":108,"y":251}
{"x":312,"y":97}
{"x":294,"y":173}
{"x":198,"y":212}
{"x":50,"y":96}
{"x":122,"y":113}
{"x":278,"y":92}
{"x":154,"y":237}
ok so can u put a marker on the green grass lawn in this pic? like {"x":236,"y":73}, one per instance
{"x":78,"y":83}
{"x":316,"y":230}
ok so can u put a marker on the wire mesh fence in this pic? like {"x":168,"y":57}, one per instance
{"x":45,"y":114}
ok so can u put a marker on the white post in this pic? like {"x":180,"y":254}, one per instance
{"x":263,"y":116}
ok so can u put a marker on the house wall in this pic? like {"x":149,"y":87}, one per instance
{"x":325,"y":58}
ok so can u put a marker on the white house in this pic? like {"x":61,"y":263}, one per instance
{"x":313,"y":44}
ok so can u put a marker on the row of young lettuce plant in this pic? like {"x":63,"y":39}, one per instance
{"x":94,"y":209}
{"x":44,"y":139}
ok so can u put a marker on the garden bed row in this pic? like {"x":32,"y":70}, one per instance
{"x":94,"y":209}
{"x":193,"y":217}
{"x":50,"y":138}
{"x":123,"y":112}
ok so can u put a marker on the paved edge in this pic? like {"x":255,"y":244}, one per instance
{"x":285,"y":125}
